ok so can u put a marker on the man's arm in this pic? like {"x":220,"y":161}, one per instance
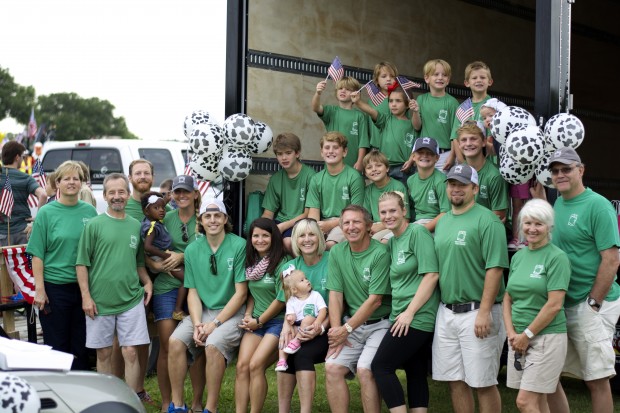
{"x":146,"y":283}
{"x":88,"y":305}
{"x":41,"y":196}
{"x":605,"y":273}
{"x":492,"y":281}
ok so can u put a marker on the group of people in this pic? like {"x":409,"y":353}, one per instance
{"x":366,"y":279}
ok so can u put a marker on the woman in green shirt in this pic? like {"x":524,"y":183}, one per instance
{"x":534,"y":310}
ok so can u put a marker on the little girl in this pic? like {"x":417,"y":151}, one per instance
{"x":157,"y":241}
{"x":304,"y":308}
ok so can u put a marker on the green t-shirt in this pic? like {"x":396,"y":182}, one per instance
{"x":456,"y":124}
{"x":373,"y":131}
{"x":286,"y":197}
{"x":428,"y":195}
{"x":353,"y":124}
{"x":55,"y":236}
{"x":533,"y":273}
{"x":22,"y":185}
{"x":163,"y":281}
{"x":316,"y":274}
{"x":215,"y":290}
{"x":331,"y":193}
{"x":373,"y":192}
{"x":467,"y":245}
{"x":112,"y":249}
{"x":492,"y":189}
{"x":359,"y":274}
{"x":267,"y":289}
{"x":413,"y":256}
{"x":397,"y":137}
{"x":584,"y":226}
{"x":437,"y":113}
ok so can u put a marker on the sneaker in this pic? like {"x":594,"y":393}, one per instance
{"x":173,"y":409}
{"x":522,"y":245}
{"x":293,"y":346}
{"x":145,"y":397}
{"x":178,"y":315}
{"x":281,"y":366}
{"x":512,"y":245}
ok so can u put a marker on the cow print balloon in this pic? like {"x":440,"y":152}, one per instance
{"x":563,"y":130}
{"x":506,"y":121}
{"x":206,"y":139}
{"x":206,"y":168}
{"x":513,"y":172}
{"x":17,"y":395}
{"x":262,"y":138}
{"x":542,"y":170}
{"x":239,"y":130}
{"x":236,"y":164}
{"x":197,"y":117}
{"x":525,"y":144}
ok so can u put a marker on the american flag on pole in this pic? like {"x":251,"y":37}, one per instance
{"x":32,"y":125}
{"x":407,"y":84}
{"x":336,"y":71}
{"x":19,"y":267}
{"x":465,"y":111}
{"x":376,"y":96}
{"x":6,"y":199}
{"x":39,"y":175}
{"x":203,"y":186}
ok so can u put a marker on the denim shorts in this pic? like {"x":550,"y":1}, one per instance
{"x":163,"y":305}
{"x":273,"y":326}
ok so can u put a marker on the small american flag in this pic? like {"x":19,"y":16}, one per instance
{"x":336,"y":71}
{"x":39,"y":175}
{"x":376,"y":96}
{"x":19,"y":266}
{"x":32,"y":125}
{"x":203,"y":186}
{"x":7,"y":200}
{"x":465,"y":111}
{"x":407,"y":84}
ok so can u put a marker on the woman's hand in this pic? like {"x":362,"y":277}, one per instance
{"x":401,"y":324}
{"x":40,"y":298}
{"x":520,"y":343}
{"x":309,"y":333}
{"x":285,"y":336}
{"x":175,"y":260}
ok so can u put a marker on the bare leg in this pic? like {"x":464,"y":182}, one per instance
{"x":600,"y":391}
{"x":262,"y":358}
{"x":143,"y":361}
{"x":337,"y":389}
{"x":104,"y":360}
{"x":307,"y":385}
{"x":489,"y":399}
{"x":216,"y":367}
{"x":177,"y":369}
{"x":462,"y":397}
{"x":557,"y":401}
{"x":199,"y":380}
{"x":369,"y":392}
{"x":249,"y":343}
{"x":118,"y":366}
{"x":164,"y":330}
{"x":529,"y":402}
{"x":132,"y":368}
{"x":286,"y":387}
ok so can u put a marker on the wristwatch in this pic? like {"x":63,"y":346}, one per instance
{"x":217,"y":322}
{"x":260,"y":325}
{"x":593,"y":303}
{"x":348,"y":328}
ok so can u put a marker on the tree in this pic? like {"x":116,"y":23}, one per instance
{"x":15,"y":100}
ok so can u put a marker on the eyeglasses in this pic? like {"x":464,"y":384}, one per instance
{"x":213,"y":264}
{"x":185,"y":236}
{"x":565,"y":170}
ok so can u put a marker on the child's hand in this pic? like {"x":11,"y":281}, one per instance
{"x":413,"y":105}
{"x":355,"y":97}
{"x":320,"y":87}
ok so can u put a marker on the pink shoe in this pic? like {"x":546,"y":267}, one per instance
{"x":281,"y":366}
{"x":293,"y":346}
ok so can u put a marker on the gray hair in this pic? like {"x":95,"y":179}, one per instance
{"x":539,"y":210}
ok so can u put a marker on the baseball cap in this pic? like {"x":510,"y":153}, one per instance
{"x":565,"y":156}
{"x":207,"y":205}
{"x":464,"y":174}
{"x":183,"y":182}
{"x":428,"y":143}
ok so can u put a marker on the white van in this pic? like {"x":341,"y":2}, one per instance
{"x":105,"y":156}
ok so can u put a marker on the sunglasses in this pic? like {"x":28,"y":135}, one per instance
{"x":185,"y":236}
{"x":518,"y":365}
{"x":565,"y":170}
{"x":213,"y":264}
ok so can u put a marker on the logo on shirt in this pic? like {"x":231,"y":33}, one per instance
{"x":323,"y":283}
{"x":432,"y":199}
{"x":353,"y":129}
{"x":367,"y":274}
{"x":538,"y":269}
{"x":309,"y":310}
{"x":345,"y":192}
{"x":85,"y":221}
{"x":460,"y":238}
{"x":230,"y":263}
{"x":572,"y":220}
{"x":302,"y":194}
{"x":401,"y":257}
{"x":269,"y":279}
{"x":133,"y":242}
{"x":443,"y":116}
{"x":409,"y":138}
{"x":483,"y":192}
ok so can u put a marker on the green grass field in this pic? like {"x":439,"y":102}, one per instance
{"x":576,"y":391}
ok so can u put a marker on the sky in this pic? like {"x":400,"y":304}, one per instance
{"x":155,"y":61}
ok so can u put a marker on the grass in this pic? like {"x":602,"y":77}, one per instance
{"x":577,"y":393}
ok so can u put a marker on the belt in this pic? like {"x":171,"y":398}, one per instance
{"x":442,"y":150}
{"x":463,"y":308}
{"x":370,"y":322}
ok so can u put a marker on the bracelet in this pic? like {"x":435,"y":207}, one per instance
{"x":322,"y":330}
{"x":529,"y":333}
{"x":260,"y":325}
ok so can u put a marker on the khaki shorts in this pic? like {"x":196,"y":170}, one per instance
{"x":590,"y":354}
{"x":335,"y":235}
{"x":130,"y":327}
{"x":542,"y":364}
{"x":226,"y":338}
{"x":364,"y":341}
{"x":458,"y":355}
{"x":383,"y":234}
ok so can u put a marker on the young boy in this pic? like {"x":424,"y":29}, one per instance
{"x":478,"y":79}
{"x":376,"y":166}
{"x":427,"y":187}
{"x":285,"y":196}
{"x":332,"y":189}
{"x":384,"y":77}
{"x":437,"y":110}
{"x":493,"y":191}
{"x":353,"y":124}
{"x":165,"y":188}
